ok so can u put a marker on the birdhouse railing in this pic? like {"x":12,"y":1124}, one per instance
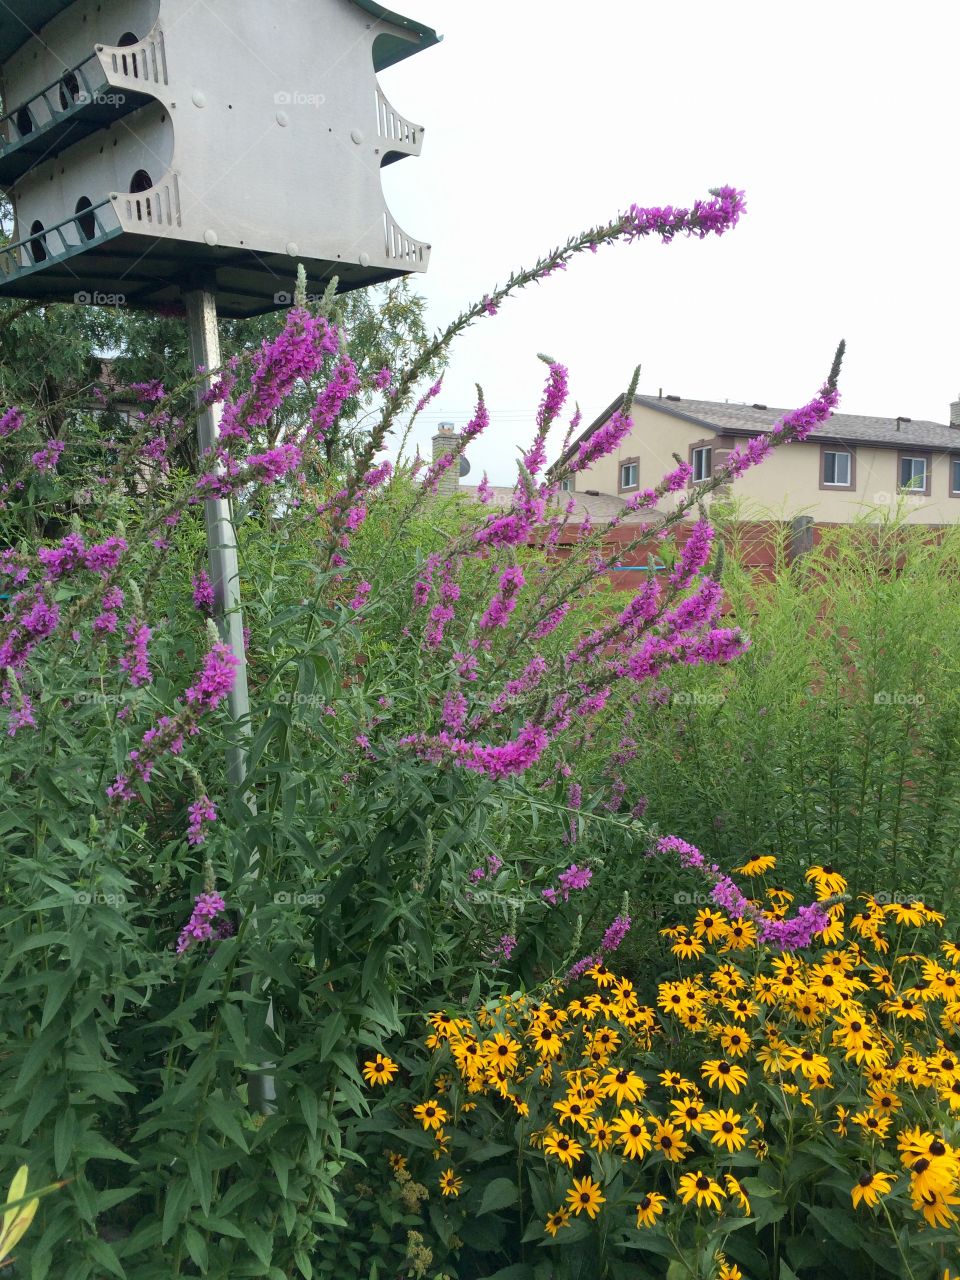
{"x":144,"y":63}
{"x":398,"y":136}
{"x":402,"y":248}
{"x":76,"y":104}
{"x":155,"y":209}
{"x":89,"y":226}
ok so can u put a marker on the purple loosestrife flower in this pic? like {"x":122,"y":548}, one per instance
{"x":104,"y":557}
{"x":360,"y":596}
{"x":505,"y":601}
{"x":507,"y":945}
{"x":428,"y":396}
{"x":484,"y":491}
{"x":454,"y":711}
{"x":199,"y":928}
{"x":574,"y":878}
{"x":202,"y":812}
{"x":135,"y":660}
{"x":47,"y":458}
{"x":148,"y":392}
{"x":615,"y":933}
{"x":551,"y":621}
{"x":107,"y":620}
{"x":343,"y":384}
{"x":11,"y":420}
{"x":501,"y":761}
{"x":384,"y":379}
{"x":695,"y":554}
{"x":64,"y":559}
{"x":603,"y":441}
{"x":580,"y":968}
{"x":203,"y":597}
{"x":216,"y":679}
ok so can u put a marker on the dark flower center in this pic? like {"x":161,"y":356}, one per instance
{"x":937,"y":1148}
{"x":645,"y":1202}
{"x":635,"y":1130}
{"x":866,"y":1179}
{"x":703,"y":1183}
{"x":921,"y":1166}
{"x":584,"y":1197}
{"x":727,"y":1127}
{"x":622,"y":1077}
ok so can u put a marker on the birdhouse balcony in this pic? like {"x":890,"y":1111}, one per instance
{"x":110,"y":83}
{"x":398,"y":136}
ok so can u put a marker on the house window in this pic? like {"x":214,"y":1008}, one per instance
{"x":566,"y":485}
{"x":914,"y":474}
{"x":629,"y":474}
{"x":702,"y":460}
{"x":836,"y":468}
{"x":955,"y":477}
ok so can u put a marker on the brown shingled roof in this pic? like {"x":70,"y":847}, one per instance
{"x":600,"y":507}
{"x":750,"y":420}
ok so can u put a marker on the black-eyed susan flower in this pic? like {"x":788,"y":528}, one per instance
{"x":430,"y":1114}
{"x":688,"y":1112}
{"x":736,"y":1192}
{"x":396,"y":1161}
{"x":601,"y":975}
{"x":903,"y":1008}
{"x":623,"y":1085}
{"x":870,"y":1122}
{"x":559,"y":1218}
{"x":502,"y":1052}
{"x":566,"y":1148}
{"x":450,"y":1184}
{"x":760,"y":1148}
{"x":869,"y":1187}
{"x":729,"y":1271}
{"x":669,"y":1141}
{"x":932,"y":1172}
{"x":379,"y":1070}
{"x":709,"y":924}
{"x":728,"y":979}
{"x":649,"y":1208}
{"x":585,"y":1196}
{"x":721,"y":1074}
{"x":907,"y":913}
{"x":735,"y":1042}
{"x":632,"y":1134}
{"x":757,"y":866}
{"x":725,"y":1129}
{"x":547,"y":1042}
{"x":742,"y":1008}
{"x":702,"y":1188}
{"x":686,"y":948}
{"x":936,"y":1207}
{"x":841,"y":1116}
{"x":741,"y":935}
{"x":675,"y":1080}
{"x":826,"y":880}
{"x":952,"y":951}
{"x":601,"y":1135}
{"x":572,"y":1110}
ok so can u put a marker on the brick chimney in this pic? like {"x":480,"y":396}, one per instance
{"x":955,"y":413}
{"x":443,"y":442}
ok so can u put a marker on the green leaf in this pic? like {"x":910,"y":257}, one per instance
{"x":176,"y":1206}
{"x":63,"y":1135}
{"x":224,"y":1116}
{"x":498,"y":1194}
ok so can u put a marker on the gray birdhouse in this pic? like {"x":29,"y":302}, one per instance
{"x":150,"y":147}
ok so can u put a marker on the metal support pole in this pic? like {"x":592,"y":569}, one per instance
{"x":204,"y":339}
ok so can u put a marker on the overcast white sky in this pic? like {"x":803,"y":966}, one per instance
{"x":840,"y":122}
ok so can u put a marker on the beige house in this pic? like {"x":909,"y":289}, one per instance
{"x":850,"y":466}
